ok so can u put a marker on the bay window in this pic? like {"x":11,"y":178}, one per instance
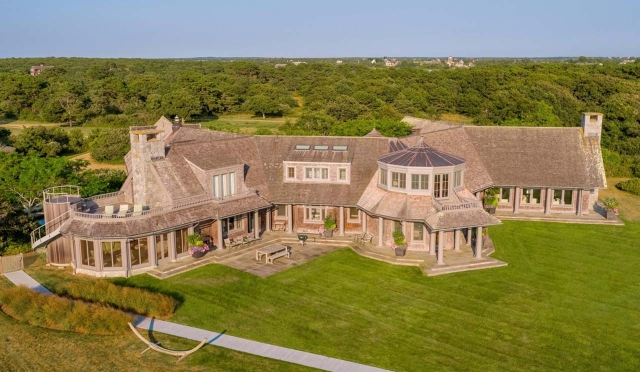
{"x":139,"y":251}
{"x":111,"y":254}
{"x":88,"y":253}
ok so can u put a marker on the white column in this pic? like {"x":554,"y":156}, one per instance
{"x":172,"y":245}
{"x":457,"y":235}
{"x":256,"y":224}
{"x":341,"y":222}
{"x":289,"y":218}
{"x":364,"y":221}
{"x":380,"y":231}
{"x":432,"y":243}
{"x":268,"y":220}
{"x":479,"y":242}
{"x":469,"y":232}
{"x":220,"y":238}
{"x":579,"y":201}
{"x":516,"y":201}
{"x":153,"y":257}
{"x":440,"y":247}
{"x":547,"y":201}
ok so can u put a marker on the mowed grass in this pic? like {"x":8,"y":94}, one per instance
{"x":567,"y":301}
{"x":245,"y":123}
{"x":629,"y":203}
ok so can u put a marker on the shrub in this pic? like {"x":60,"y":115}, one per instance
{"x":50,"y":311}
{"x":632,"y":186}
{"x":398,"y":238}
{"x":135,"y":300}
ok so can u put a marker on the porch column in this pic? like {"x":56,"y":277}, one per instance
{"x":172,"y":245}
{"x":432,"y":243}
{"x":256,"y":224}
{"x":457,"y":235}
{"x":153,"y":257}
{"x":268,"y":220}
{"x":440,"y":247}
{"x":516,"y":201}
{"x":479,"y":242}
{"x":364,"y":222}
{"x":341,"y":222}
{"x":220,"y":239}
{"x":380,"y":231}
{"x":126,"y":257}
{"x":469,"y":232}
{"x":547,"y":201}
{"x":289,"y":218}
{"x":579,"y":201}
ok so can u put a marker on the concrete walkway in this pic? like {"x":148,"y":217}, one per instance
{"x":222,"y":340}
{"x":21,"y":278}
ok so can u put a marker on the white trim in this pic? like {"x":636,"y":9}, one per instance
{"x":307,"y":211}
{"x":349,"y":219}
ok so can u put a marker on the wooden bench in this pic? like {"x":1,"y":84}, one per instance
{"x":273,"y":256}
{"x":280,"y":225}
{"x":181,"y":353}
{"x":272,"y":252}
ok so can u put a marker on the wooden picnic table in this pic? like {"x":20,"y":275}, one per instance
{"x":272,"y":252}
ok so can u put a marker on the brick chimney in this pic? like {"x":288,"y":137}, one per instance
{"x":592,"y":124}
{"x":147,"y":146}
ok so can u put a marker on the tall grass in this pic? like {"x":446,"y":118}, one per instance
{"x":130,"y":299}
{"x":60,"y":313}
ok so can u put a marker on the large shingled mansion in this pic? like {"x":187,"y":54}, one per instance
{"x":182,"y":179}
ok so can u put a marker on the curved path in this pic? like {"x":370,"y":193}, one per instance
{"x":219,"y":339}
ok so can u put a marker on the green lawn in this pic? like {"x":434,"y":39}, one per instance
{"x":568,"y":300}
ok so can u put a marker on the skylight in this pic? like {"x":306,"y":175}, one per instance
{"x":339,"y":148}
{"x":321,"y":147}
{"x":303,"y":147}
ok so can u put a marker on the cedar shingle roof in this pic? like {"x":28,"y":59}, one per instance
{"x":538,"y":157}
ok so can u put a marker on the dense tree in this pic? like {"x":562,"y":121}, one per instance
{"x":42,"y":141}
{"x":109,"y":145}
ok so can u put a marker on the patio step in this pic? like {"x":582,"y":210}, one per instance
{"x":444,"y":269}
{"x":380,"y":257}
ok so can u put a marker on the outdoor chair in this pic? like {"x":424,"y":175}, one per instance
{"x":231,"y":243}
{"x":137,"y":209}
{"x":367,"y":238}
{"x":359,"y":237}
{"x":108,"y":210}
{"x":122,"y":211}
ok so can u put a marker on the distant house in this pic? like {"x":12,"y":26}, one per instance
{"x":339,"y":62}
{"x":626,"y":61}
{"x":36,"y":70}
{"x":298,"y":62}
{"x":391,"y":62}
{"x":278,"y":65}
{"x":373,"y":61}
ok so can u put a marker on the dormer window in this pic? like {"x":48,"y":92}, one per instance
{"x":316,"y":173}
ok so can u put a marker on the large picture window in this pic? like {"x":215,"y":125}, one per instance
{"x":531,"y":196}
{"x":563,"y":197}
{"x":441,"y":186}
{"x":419,"y":181}
{"x":314,"y":214}
{"x":162,"y":247}
{"x":88,"y":253}
{"x":139,"y":249}
{"x":111,"y":254}
{"x":399,"y":180}
{"x":383,"y":177}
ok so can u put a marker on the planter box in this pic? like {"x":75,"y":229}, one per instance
{"x":401,"y":250}
{"x":328,"y":233}
{"x":198,"y":254}
{"x":610,"y":215}
{"x":491,"y":210}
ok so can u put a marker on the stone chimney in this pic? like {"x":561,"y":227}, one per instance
{"x":147,"y":146}
{"x":592,"y":124}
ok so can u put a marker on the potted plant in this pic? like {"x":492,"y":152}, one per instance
{"x":491,"y":200}
{"x":329,"y":226}
{"x":197,"y":247}
{"x":399,"y":243}
{"x":611,"y":206}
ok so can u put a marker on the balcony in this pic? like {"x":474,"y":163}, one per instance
{"x":457,"y":203}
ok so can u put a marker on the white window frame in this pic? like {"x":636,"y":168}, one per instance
{"x":400,"y":180}
{"x":562,"y":195}
{"x":317,"y":173}
{"x":413,"y":230}
{"x":349,"y":219}
{"x":439,"y":191}
{"x":421,"y":178}
{"x":383,"y":179}
{"x":500,"y":199}
{"x":216,"y":186}
{"x":346,"y":175}
{"x":531,"y":197}
{"x":232,"y":183}
{"x":457,"y":178}
{"x":225,"y":185}
{"x":307,"y":213}
{"x":278,"y":215}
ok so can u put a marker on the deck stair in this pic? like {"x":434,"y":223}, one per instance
{"x":40,"y":237}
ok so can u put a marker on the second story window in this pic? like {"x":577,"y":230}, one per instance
{"x":342,"y":174}
{"x":383,"y":177}
{"x":224,"y":185}
{"x":441,"y":186}
{"x":419,"y":181}
{"x":399,"y":180}
{"x":316,"y":173}
{"x":291,"y":172}
{"x":457,"y":179}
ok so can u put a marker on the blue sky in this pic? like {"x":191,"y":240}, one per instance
{"x":328,"y":28}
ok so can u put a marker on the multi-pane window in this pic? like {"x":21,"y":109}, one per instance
{"x":88,"y":253}
{"x":139,"y":249}
{"x":441,"y":185}
{"x":419,"y":181}
{"x":418,"y":232}
{"x":281,"y":210}
{"x":224,"y":184}
{"x":505,"y":195}
{"x":383,"y":177}
{"x":162,"y":246}
{"x":181,"y":241}
{"x":316,"y":173}
{"x":232,"y":223}
{"x":531,"y":196}
{"x":314,"y":214}
{"x":111,"y":254}
{"x":354,"y":214}
{"x":457,"y":179}
{"x":216,"y":186}
{"x":232,"y":183}
{"x":291,"y":172}
{"x":399,"y":180}
{"x":342,"y":174}
{"x":563,"y":197}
